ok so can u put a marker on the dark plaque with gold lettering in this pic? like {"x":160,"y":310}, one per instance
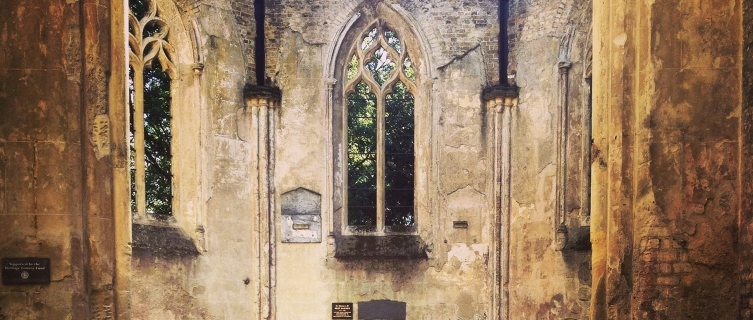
{"x":342,"y":310}
{"x":26,"y":270}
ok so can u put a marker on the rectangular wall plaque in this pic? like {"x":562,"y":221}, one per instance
{"x":342,"y":310}
{"x":461,"y":224}
{"x":26,"y":270}
{"x":301,"y":216}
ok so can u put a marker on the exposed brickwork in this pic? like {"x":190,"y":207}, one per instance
{"x":315,"y":21}
{"x":454,"y":28}
{"x":663,"y":267}
{"x":465,"y":26}
{"x":532,"y":20}
{"x":244,"y":17}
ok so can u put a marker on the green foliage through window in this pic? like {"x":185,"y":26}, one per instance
{"x":380,"y":132}
{"x":157,"y":130}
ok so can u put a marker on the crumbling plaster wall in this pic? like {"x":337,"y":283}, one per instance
{"x":539,"y":45}
{"x":208,"y":284}
{"x":454,"y":282}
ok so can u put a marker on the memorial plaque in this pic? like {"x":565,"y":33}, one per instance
{"x":301,"y":216}
{"x":26,"y":270}
{"x":342,"y":310}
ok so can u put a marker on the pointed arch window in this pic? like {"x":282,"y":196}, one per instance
{"x":150,"y":79}
{"x":379,"y":101}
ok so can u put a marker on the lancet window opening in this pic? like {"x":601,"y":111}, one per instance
{"x":379,"y":98}
{"x":150,"y":81}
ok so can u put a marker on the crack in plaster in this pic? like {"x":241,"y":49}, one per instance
{"x":458,"y":189}
{"x":303,"y":37}
{"x":458,"y":58}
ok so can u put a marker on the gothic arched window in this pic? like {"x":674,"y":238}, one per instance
{"x":379,"y":87}
{"x":150,"y":79}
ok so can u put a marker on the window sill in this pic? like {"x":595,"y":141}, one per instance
{"x":401,"y":247}
{"x":162,"y":240}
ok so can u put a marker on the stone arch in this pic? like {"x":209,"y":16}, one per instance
{"x":350,"y":28}
{"x":337,"y":57}
{"x":185,"y":53}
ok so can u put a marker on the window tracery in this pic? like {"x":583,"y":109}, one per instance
{"x":379,"y":93}
{"x":150,"y":80}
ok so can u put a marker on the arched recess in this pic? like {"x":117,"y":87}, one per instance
{"x":181,"y":50}
{"x":336,"y":61}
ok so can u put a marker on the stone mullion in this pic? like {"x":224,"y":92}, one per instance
{"x":138,"y":138}
{"x":380,"y":163}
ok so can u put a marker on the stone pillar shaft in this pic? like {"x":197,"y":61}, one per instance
{"x":501,"y":99}
{"x":261,"y":111}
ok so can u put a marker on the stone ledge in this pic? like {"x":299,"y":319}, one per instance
{"x":255,"y":91}
{"x":500,"y":91}
{"x":383,"y":247}
{"x":162,"y":240}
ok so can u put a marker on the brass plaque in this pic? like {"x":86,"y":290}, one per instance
{"x":26,"y":270}
{"x":301,"y":226}
{"x":342,"y":310}
{"x":461,"y":224}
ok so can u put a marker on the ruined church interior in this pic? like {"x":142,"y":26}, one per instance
{"x":376,"y":159}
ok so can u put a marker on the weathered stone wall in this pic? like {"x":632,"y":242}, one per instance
{"x":457,"y":155}
{"x":668,"y":215}
{"x":204,"y":277}
{"x":667,"y":199}
{"x":746,"y":219}
{"x":462,"y":43}
{"x":55,"y":173}
{"x":460,"y":59}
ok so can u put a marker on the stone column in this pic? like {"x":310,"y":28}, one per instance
{"x":329,"y":85}
{"x":260,"y":114}
{"x":118,"y":111}
{"x":562,"y":142}
{"x":502,"y":99}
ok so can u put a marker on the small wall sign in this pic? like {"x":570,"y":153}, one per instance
{"x":342,"y":310}
{"x":25,"y":270}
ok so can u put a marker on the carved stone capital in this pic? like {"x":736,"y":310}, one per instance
{"x":198,"y":68}
{"x":261,"y":96}
{"x":500,"y":96}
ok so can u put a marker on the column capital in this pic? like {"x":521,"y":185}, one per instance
{"x":330,"y":82}
{"x":254,"y":95}
{"x":501,"y":96}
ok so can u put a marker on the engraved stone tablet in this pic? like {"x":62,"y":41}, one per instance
{"x":301,"y":216}
{"x":26,"y":270}
{"x":342,"y":310}
{"x":301,"y":201}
